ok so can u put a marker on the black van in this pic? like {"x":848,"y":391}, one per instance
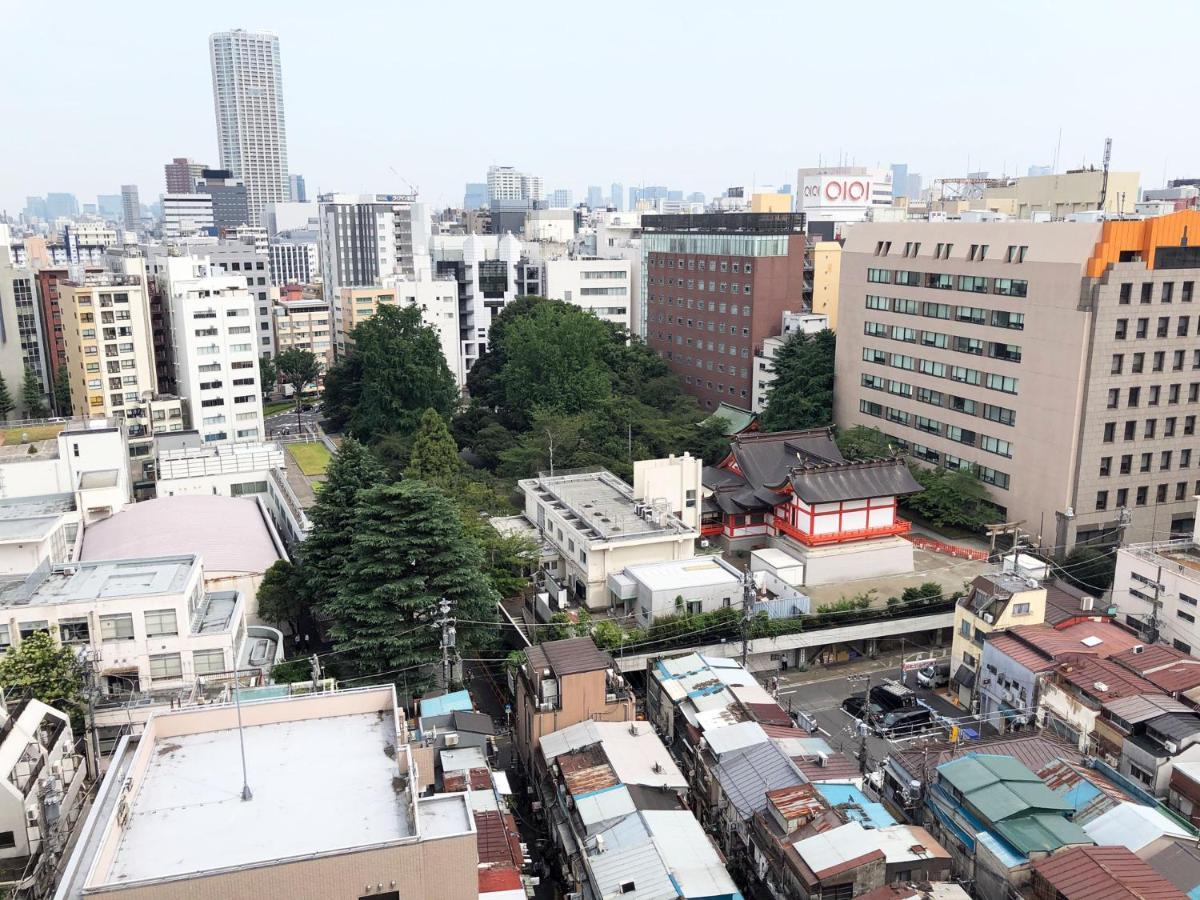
{"x":891,"y":696}
{"x":904,"y":722}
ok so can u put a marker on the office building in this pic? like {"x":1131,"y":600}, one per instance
{"x":290,"y":216}
{"x":35,"y":208}
{"x":595,"y":197}
{"x":48,"y":300}
{"x":251,"y":127}
{"x":366,"y":238}
{"x":601,"y":286}
{"x":230,"y":207}
{"x":826,"y":278}
{"x":299,"y":193}
{"x":1039,"y":171}
{"x":436,"y":297}
{"x":1057,"y":360}
{"x":1063,"y":195}
{"x":111,"y":207}
{"x":370,"y":831}
{"x":476,"y":195}
{"x":216,"y":358}
{"x":182,"y":174}
{"x":485,"y":267}
{"x":305,"y":323}
{"x":707,"y":326}
{"x":506,"y":183}
{"x":295,"y":257}
{"x":245,"y":254}
{"x":62,"y":206}
{"x":87,"y":243}
{"x":22,"y":354}
{"x":616,"y":196}
{"x":131,"y":207}
{"x":830,"y":196}
{"x":186,"y":215}
{"x":900,"y":181}
{"x":555,"y":226}
{"x":562,"y":198}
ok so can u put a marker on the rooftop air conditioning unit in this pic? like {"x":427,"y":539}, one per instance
{"x":452,"y":739}
{"x":1088,"y":603}
{"x":1139,"y":648}
{"x":989,"y":618}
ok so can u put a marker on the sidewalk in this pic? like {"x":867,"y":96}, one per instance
{"x":859,"y":666}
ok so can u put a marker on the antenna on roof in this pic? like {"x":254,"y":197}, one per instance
{"x":237,"y":702}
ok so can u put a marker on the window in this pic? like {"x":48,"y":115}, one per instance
{"x":1105,"y":466}
{"x":1126,"y":465}
{"x":1142,"y":493}
{"x":1138,"y":363}
{"x":74,"y":630}
{"x":1011,"y":287}
{"x":1147,"y":292}
{"x":1126,"y":292}
{"x":1020,"y":609}
{"x":1118,"y":363}
{"x":1101,"y":503}
{"x":161,"y":623}
{"x":1135,"y":395}
{"x":1122,"y":497}
{"x":1130,"y":430}
{"x":208,"y":662}
{"x":7,"y":840}
{"x":116,"y":627}
{"x":1187,"y":617}
{"x":165,"y":667}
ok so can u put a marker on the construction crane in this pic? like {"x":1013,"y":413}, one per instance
{"x":1104,"y":179}
{"x":412,"y":187}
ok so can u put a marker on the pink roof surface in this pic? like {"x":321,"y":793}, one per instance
{"x":228,"y":533}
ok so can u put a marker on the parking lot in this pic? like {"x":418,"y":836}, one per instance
{"x":821,"y":698}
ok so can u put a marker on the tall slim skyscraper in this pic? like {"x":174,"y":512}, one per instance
{"x":617,"y":195}
{"x":299,"y":191}
{"x":595,"y":196}
{"x":251,"y":128}
{"x":131,"y":206}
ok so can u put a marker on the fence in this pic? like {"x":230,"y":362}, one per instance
{"x":927,"y":543}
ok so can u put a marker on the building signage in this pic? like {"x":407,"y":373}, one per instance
{"x":836,"y":190}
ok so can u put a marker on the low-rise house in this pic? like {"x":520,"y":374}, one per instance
{"x":1183,"y":791}
{"x":1092,"y":873}
{"x":685,"y":586}
{"x":1150,"y":752}
{"x":997,"y":818}
{"x":42,"y":781}
{"x":1120,"y":718}
{"x":994,"y":602}
{"x":562,"y":683}
{"x":1170,"y":670}
{"x":1073,"y":695}
{"x":1134,"y":826}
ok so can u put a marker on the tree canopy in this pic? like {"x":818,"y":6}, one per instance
{"x":280,"y":599}
{"x":952,"y":497}
{"x":861,"y":442}
{"x":434,"y":456}
{"x":6,"y":400}
{"x":394,"y":372}
{"x":41,"y":668}
{"x":33,"y":401}
{"x":1090,"y":569}
{"x":62,"y":392}
{"x":409,"y":550}
{"x":801,"y":396}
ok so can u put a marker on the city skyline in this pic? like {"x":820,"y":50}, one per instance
{"x":857,"y":120}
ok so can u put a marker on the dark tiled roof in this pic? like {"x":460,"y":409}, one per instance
{"x":1065,"y":602}
{"x":854,"y":481}
{"x":476,"y":723}
{"x":766,"y":458}
{"x":569,"y":656}
{"x":1103,"y":873}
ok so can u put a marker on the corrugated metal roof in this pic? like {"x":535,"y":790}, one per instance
{"x":1102,"y":639}
{"x":1020,"y":653}
{"x":1000,"y":788}
{"x":1144,"y":707}
{"x":586,"y":771}
{"x":1103,"y":873}
{"x":1163,"y":666}
{"x":854,"y":481}
{"x":734,"y":737}
{"x":853,"y":804}
{"x":1102,"y":679}
{"x":838,"y":849}
{"x":603,"y":807}
{"x":1031,"y":750}
{"x":800,"y":801}
{"x":1133,"y":826}
{"x":569,"y":656}
{"x":746,"y":776}
{"x":688,"y":854}
{"x":498,"y":839}
{"x":630,"y":857}
{"x":1041,"y":833}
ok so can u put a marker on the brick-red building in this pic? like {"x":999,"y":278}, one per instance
{"x":716,"y":285}
{"x":56,"y":348}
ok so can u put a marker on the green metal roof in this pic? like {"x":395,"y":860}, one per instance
{"x":1041,"y":832}
{"x":737,"y":420}
{"x":999,"y":787}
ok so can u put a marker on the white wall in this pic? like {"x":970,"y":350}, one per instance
{"x":672,"y":479}
{"x":602,"y":286}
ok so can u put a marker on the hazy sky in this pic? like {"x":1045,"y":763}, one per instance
{"x":695,"y":95}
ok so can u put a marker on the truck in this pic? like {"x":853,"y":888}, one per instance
{"x":934,"y":675}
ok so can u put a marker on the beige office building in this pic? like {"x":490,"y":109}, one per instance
{"x":1059,"y":360}
{"x":305,"y":324}
{"x":1064,"y":194}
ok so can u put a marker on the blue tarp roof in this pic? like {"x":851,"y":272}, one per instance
{"x":873,"y":815}
{"x":445,"y":704}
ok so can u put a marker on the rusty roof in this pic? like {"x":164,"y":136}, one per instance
{"x":481,"y":779}
{"x":496,"y":879}
{"x":1031,"y":750}
{"x":587,"y":770}
{"x":1061,"y":775}
{"x":497,"y":837}
{"x":1019,"y":652}
{"x":800,"y":801}
{"x":1102,"y":679}
{"x":837,"y":767}
{"x":1099,"y":639}
{"x":454,"y":782}
{"x":1163,"y":666}
{"x":1144,"y":707}
{"x":768,"y":714}
{"x":1103,"y":873}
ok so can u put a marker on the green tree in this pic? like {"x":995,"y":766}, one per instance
{"x":923,"y":594}
{"x":801,"y":396}
{"x":298,"y":368}
{"x":861,"y":442}
{"x":953,"y":498}
{"x":32,"y":399}
{"x":342,"y":389}
{"x":434,"y":456}
{"x":62,"y":392}
{"x":1090,"y":569}
{"x":40,"y":667}
{"x":395,"y":372}
{"x":508,"y":559}
{"x":608,"y":635}
{"x":6,"y":401}
{"x":292,"y":671}
{"x":408,"y":551}
{"x":325,"y":554}
{"x":268,"y":375}
{"x":280,"y":599}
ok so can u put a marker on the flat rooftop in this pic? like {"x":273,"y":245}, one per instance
{"x":102,"y":580}
{"x":32,"y":518}
{"x":700,"y":571}
{"x":319,"y":785}
{"x":602,"y":504}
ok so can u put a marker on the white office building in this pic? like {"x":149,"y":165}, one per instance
{"x":290,"y":216}
{"x":485,"y":266}
{"x":21,"y":349}
{"x":507,"y":183}
{"x":837,"y":194}
{"x":216,"y":361}
{"x":601,"y":286}
{"x":295,"y":257}
{"x":251,"y":127}
{"x":185,"y":215}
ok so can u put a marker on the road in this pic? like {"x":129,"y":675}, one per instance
{"x":288,"y":420}
{"x":822,"y":700}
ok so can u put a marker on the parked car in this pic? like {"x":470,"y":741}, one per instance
{"x":904,"y":722}
{"x":892,"y":695}
{"x":934,"y":676}
{"x":854,"y":706}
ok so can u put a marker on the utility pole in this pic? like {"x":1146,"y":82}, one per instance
{"x":446,"y":623}
{"x":550,"y":435}
{"x":749,"y":594}
{"x":1153,"y":636}
{"x":864,"y":724}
